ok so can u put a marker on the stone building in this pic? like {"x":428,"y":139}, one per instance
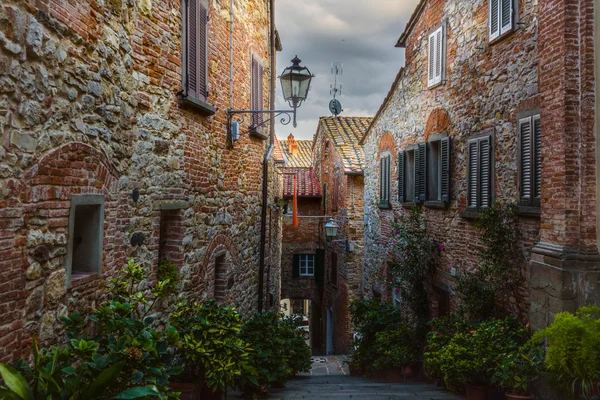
{"x":326,"y":271}
{"x":496,"y":102}
{"x":113,"y":119}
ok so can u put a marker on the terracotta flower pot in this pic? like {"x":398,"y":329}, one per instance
{"x":408,"y":370}
{"x":189,"y":391}
{"x":518,"y":396}
{"x":477,"y":392}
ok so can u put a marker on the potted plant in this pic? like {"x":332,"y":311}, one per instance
{"x":573,"y":352}
{"x":396,"y":353}
{"x":517,"y":370}
{"x":211,"y":353}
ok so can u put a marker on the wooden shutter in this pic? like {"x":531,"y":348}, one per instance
{"x":325,"y":197}
{"x":254,"y":102}
{"x":401,"y":177}
{"x":336,"y":193}
{"x":296,"y":266}
{"x":485,"y":175}
{"x":494,"y":18}
{"x":260,"y":95}
{"x":388,"y":175}
{"x":421,"y":175}
{"x":472,"y":174}
{"x":526,"y":166}
{"x":537,"y":160}
{"x":506,"y":9}
{"x":431,"y":60}
{"x":320,"y":266}
{"x":445,"y":169}
{"x":334,"y":268}
{"x":197,"y":45}
{"x":439,"y":46}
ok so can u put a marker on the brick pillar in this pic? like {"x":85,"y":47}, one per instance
{"x":565,"y":263}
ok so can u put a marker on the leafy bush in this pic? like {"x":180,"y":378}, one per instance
{"x":479,"y":299}
{"x":573,"y":353}
{"x":395,"y":348}
{"x":212,"y":351}
{"x":517,"y":369}
{"x":442,"y":331}
{"x":279,"y":350}
{"x":77,"y":372}
{"x":168,"y":273}
{"x":471,"y":357}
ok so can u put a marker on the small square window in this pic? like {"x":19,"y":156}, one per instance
{"x":86,"y":236}
{"x":307,"y":264}
{"x":501,"y":17}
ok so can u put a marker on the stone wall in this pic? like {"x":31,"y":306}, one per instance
{"x":486,"y":85}
{"x":88,"y":105}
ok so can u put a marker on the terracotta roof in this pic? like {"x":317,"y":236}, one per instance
{"x":346,"y":133}
{"x":307,"y":183}
{"x":278,"y":152}
{"x":411,"y":24}
{"x":299,"y":158}
{"x":383,"y":105}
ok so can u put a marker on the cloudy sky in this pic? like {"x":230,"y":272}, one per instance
{"x":361,"y":34}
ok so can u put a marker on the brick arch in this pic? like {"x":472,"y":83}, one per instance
{"x":218,"y":244}
{"x":438,"y":122}
{"x":386,"y":143}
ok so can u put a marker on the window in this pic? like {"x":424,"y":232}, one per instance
{"x":480,"y":171}
{"x":385,"y":164}
{"x":220,"y":278}
{"x":406,"y":176}
{"x":170,"y":238}
{"x":438,"y":170}
{"x":501,"y":17}
{"x":86,"y":235}
{"x":333,"y":278}
{"x":336,"y":193}
{"x":324,"y":197}
{"x":257,"y":92}
{"x":436,"y":56}
{"x":304,"y":265}
{"x":195,"y":44}
{"x":530,"y":160}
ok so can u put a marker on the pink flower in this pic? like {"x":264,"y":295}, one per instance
{"x":397,"y":291}
{"x":442,"y":246}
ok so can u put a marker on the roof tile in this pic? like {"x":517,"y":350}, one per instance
{"x":307,"y":183}
{"x":346,"y":133}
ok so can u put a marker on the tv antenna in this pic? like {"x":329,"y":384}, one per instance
{"x":334,"y":105}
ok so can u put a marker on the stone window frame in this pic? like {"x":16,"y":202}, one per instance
{"x":84,"y":200}
{"x":434,"y":83}
{"x":503,"y":32}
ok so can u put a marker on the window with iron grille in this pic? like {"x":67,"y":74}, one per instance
{"x":436,"y":56}
{"x":195,"y":49}
{"x":530,"y":159}
{"x":385,"y":165}
{"x":501,"y":17}
{"x":257,"y":92}
{"x":480,"y":166}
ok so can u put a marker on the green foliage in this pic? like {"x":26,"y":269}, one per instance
{"x":397,"y":347}
{"x":470,"y":357}
{"x":518,"y":368}
{"x":412,"y":262}
{"x":479,"y":298}
{"x":168,"y":273}
{"x":442,"y":331}
{"x":279,"y":350}
{"x":211,"y":349}
{"x":369,"y":318}
{"x":573,"y":353}
{"x":76,"y":373}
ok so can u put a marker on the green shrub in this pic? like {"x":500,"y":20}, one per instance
{"x":517,"y":369}
{"x":573,"y":353}
{"x":397,"y":347}
{"x":168,"y":273}
{"x":279,"y":350}
{"x":212,"y":352}
{"x":442,"y":331}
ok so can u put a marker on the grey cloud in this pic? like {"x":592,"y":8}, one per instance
{"x":361,"y":34}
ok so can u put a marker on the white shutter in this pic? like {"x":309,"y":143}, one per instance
{"x":431,"y":60}
{"x":507,"y":16}
{"x":494,"y":18}
{"x":439,"y":46}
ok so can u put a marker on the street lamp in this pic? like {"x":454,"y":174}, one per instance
{"x":331,"y":228}
{"x":295,"y":83}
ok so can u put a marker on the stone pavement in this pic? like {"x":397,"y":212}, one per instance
{"x":329,"y":379}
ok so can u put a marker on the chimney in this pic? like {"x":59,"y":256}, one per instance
{"x":292,"y":145}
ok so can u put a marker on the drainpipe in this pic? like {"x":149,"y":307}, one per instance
{"x":265,"y":184}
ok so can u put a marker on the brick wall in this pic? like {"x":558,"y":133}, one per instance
{"x":88,"y":105}
{"x":486,"y":85}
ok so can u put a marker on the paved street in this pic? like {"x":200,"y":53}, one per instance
{"x":329,"y":379}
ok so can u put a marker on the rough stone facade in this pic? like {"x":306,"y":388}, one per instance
{"x":486,"y":85}
{"x":88,"y":105}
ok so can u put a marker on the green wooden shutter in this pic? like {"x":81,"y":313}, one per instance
{"x":537,"y":160}
{"x":525,"y":161}
{"x":320,"y":266}
{"x":486,"y":158}
{"x":381,"y":178}
{"x":296,"y":266}
{"x":401,"y":175}
{"x":472,"y":174}
{"x":421,"y":166}
{"x":445,"y":169}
